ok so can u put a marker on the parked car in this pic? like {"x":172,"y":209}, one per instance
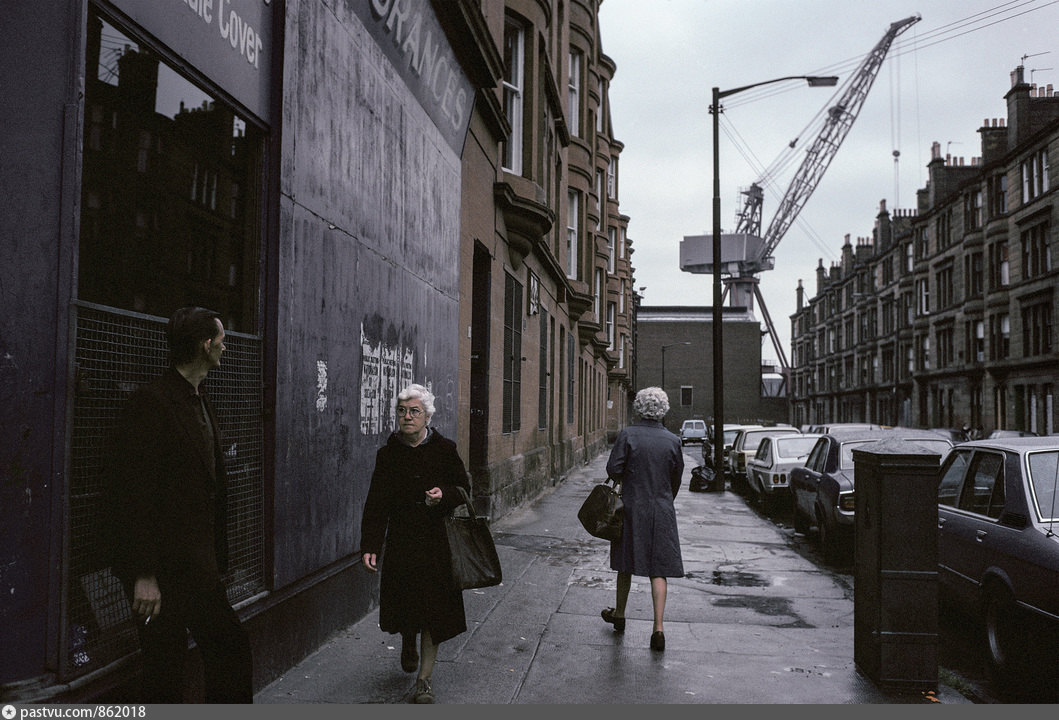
{"x":745,"y":445}
{"x":822,"y":489}
{"x":768,"y":471}
{"x":998,"y":551}
{"x":730,"y":433}
{"x":957,"y":435}
{"x":826,"y":428}
{"x":692,"y":431}
{"x":1010,"y":434}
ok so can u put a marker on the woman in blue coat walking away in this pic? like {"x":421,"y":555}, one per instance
{"x":648,"y":461}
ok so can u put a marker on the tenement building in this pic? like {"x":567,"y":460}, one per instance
{"x":370,"y":193}
{"x":944,"y":317}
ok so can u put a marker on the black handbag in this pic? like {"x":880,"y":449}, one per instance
{"x":603,"y":511}
{"x":475,"y":563}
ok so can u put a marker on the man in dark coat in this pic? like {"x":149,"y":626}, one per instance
{"x":168,"y":528}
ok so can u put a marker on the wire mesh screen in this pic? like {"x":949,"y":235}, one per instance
{"x":115,"y":352}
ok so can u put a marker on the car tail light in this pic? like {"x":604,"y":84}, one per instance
{"x":845,"y":502}
{"x":780,"y":479}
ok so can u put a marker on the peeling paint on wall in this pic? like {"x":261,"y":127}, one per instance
{"x":321,"y":386}
{"x":386,"y":368}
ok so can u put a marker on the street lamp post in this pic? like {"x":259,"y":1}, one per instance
{"x":718,"y":349}
{"x":664,"y":361}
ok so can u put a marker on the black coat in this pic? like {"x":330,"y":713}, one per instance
{"x":416,"y":588}
{"x":167,"y":489}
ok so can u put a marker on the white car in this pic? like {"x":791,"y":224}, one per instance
{"x":693,"y":431}
{"x":767,"y":473}
{"x":745,"y":447}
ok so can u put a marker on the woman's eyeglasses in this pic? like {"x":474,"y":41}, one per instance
{"x":411,"y":412}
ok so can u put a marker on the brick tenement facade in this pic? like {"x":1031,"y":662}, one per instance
{"x":689,"y":368}
{"x":945,"y":316}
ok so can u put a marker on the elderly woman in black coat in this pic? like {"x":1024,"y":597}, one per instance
{"x":648,"y":461}
{"x":414,"y":485}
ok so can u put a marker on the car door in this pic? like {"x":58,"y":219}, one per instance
{"x":808,"y":477}
{"x":968,"y":532}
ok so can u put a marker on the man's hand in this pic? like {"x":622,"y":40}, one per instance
{"x":146,"y":597}
{"x":370,"y":562}
{"x":433,"y":496}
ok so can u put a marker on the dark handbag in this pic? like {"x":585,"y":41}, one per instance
{"x":603,"y":511}
{"x":475,"y":563}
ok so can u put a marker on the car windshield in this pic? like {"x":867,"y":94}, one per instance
{"x":1044,"y":476}
{"x":793,"y":447}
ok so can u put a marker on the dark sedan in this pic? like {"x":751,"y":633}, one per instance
{"x":822,"y":489}
{"x":998,"y":553}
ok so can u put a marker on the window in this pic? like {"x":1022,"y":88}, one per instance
{"x":1036,"y":255}
{"x":923,"y":297}
{"x":612,"y":179}
{"x":612,"y":241}
{"x":983,"y":493}
{"x":137,"y":136}
{"x":687,"y":395}
{"x":943,"y":228}
{"x":973,"y":276}
{"x":602,"y":209}
{"x":999,"y":275}
{"x":542,"y":373}
{"x":514,"y":70}
{"x":946,"y":337}
{"x":612,"y":310}
{"x":570,"y":349}
{"x":943,"y":280}
{"x":972,"y":210}
{"x":998,"y":195}
{"x":949,"y":487}
{"x":512,"y":392}
{"x":599,"y":113}
{"x":1037,"y":329}
{"x":573,"y":202}
{"x":978,"y":341}
{"x":1035,"y":175}
{"x":598,"y":295}
{"x":573,"y":88}
{"x":999,"y":337}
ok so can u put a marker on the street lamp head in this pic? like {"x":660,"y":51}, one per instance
{"x":822,"y":81}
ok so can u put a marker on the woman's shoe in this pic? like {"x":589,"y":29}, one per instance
{"x":409,"y":656}
{"x":617,"y":622}
{"x":658,"y":640}
{"x":424,"y":693}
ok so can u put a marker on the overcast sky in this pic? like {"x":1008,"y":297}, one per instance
{"x":943,"y":77}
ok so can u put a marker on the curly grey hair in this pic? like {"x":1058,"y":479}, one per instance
{"x":420,"y":393}
{"x":651,"y":403}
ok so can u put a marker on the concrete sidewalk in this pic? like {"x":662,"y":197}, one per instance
{"x":752,"y":622}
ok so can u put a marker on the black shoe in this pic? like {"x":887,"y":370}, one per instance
{"x":409,"y":656}
{"x":617,"y":622}
{"x":658,"y":640}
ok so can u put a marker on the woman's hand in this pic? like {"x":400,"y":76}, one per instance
{"x":369,"y":562}
{"x":433,"y":496}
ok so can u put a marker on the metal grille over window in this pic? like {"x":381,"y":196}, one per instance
{"x":116,"y":352}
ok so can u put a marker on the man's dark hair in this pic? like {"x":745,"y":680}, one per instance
{"x":187,"y":328}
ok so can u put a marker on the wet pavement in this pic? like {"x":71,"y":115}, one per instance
{"x":753,"y":621}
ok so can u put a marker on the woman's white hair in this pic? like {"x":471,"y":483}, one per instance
{"x":651,"y":403}
{"x":420,"y":393}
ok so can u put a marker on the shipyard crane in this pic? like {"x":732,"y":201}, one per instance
{"x":747,"y":252}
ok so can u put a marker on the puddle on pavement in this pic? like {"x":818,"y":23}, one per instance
{"x":737,"y":578}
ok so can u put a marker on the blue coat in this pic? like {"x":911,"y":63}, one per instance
{"x":649,"y":462}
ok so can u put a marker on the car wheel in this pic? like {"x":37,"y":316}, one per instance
{"x":1002,"y":636}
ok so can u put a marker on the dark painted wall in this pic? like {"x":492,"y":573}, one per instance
{"x":38,"y":148}
{"x":368,"y":278}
